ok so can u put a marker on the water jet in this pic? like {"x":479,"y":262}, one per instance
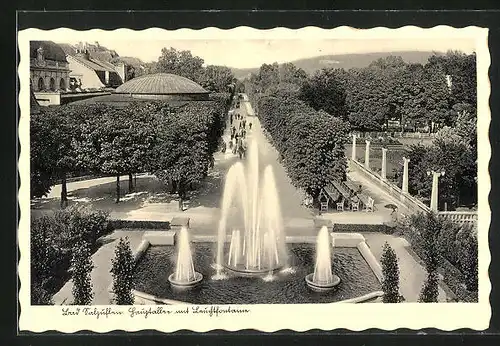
{"x":323,"y":279}
{"x":184,"y":275}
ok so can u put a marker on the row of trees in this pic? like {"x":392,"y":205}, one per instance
{"x":311,"y":143}
{"x":183,"y":63}
{"x":414,"y":95}
{"x":176,"y":143}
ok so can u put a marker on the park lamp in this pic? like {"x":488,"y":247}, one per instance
{"x":441,"y":173}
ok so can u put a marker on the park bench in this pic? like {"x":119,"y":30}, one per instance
{"x":344,"y":190}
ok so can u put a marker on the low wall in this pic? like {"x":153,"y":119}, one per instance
{"x":410,"y":202}
{"x":146,"y":224}
{"x":48,"y":98}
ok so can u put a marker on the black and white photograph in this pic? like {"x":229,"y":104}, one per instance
{"x":245,"y":178}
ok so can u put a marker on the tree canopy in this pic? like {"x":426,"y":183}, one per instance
{"x":311,"y":143}
{"x":175,"y":142}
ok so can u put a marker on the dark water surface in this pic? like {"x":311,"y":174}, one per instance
{"x":152,"y":271}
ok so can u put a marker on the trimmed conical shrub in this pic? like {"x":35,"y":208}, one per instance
{"x":122,"y":270}
{"x":390,"y":271}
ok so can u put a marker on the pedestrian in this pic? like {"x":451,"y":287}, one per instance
{"x":250,"y":125}
{"x":241,"y":150}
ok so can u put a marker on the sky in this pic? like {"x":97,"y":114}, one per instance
{"x":253,"y":53}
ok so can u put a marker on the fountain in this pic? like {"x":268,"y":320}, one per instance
{"x":250,"y":242}
{"x":323,"y":278}
{"x":184,"y":275}
{"x":260,"y":250}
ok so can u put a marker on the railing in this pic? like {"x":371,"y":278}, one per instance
{"x":412,"y":203}
{"x":420,"y":135}
{"x":459,"y":216}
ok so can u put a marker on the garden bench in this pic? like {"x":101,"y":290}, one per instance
{"x":344,"y":191}
{"x":369,"y":205}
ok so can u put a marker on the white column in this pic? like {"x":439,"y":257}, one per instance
{"x":367,"y":155}
{"x":384,"y":163}
{"x":435,"y":193}
{"x":353,"y":153}
{"x":405,"y":174}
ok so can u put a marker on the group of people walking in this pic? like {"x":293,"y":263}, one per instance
{"x":238,"y":133}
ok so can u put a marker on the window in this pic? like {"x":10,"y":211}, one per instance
{"x":62,"y":84}
{"x":41,"y":84}
{"x":52,"y":84}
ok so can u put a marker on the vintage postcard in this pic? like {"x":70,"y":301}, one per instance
{"x":266,"y":179}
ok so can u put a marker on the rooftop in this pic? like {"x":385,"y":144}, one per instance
{"x":51,"y":50}
{"x":161,"y":84}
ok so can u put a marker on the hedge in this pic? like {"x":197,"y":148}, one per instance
{"x":457,"y":254}
{"x":52,"y":244}
{"x":359,"y":228}
{"x":141,"y":224}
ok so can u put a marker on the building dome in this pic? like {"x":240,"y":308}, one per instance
{"x":163,"y":86}
{"x":49,"y":50}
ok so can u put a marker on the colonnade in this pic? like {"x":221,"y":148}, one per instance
{"x":406,"y":161}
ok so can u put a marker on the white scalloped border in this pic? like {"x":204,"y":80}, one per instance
{"x":355,"y":317}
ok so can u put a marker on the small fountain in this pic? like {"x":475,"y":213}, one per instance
{"x":184,"y":276}
{"x":323,"y":279}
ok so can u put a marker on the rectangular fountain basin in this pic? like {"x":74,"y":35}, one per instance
{"x":353,"y":262}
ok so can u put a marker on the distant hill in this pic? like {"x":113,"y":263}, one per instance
{"x":345,"y":61}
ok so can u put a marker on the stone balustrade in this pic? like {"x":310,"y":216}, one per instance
{"x":459,"y":216}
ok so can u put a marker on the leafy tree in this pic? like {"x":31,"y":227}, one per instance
{"x":461,"y":68}
{"x":122,"y":271}
{"x":291,"y":74}
{"x":81,"y":268}
{"x":365,"y":95}
{"x":42,"y":153}
{"x":187,"y":138}
{"x":390,"y":271}
{"x":51,"y":152}
{"x":181,"y":63}
{"x":216,"y":78}
{"x":324,"y":91}
{"x":268,"y":75}
{"x":116,"y":140}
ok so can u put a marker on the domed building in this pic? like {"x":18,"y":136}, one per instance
{"x":158,"y":86}
{"x":163,"y":86}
